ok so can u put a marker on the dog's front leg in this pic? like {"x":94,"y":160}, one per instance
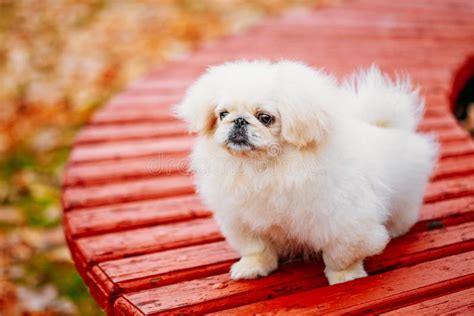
{"x":258,"y":257}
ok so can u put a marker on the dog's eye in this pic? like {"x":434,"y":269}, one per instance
{"x":223,"y":114}
{"x":265,"y":118}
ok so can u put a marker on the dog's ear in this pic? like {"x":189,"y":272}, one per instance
{"x":197,"y":107}
{"x":303,"y":128}
{"x":303,"y":97}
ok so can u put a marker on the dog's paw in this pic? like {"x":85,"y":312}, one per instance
{"x":353,"y":272}
{"x":251,"y":267}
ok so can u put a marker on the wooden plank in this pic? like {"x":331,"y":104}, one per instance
{"x":201,"y":296}
{"x":122,"y":216}
{"x":454,"y":167}
{"x":443,"y":212}
{"x":113,"y":170}
{"x":452,"y":135}
{"x":125,"y":191}
{"x":404,"y":20}
{"x":99,"y":293}
{"x":129,"y":149}
{"x":440,"y":209}
{"x":179,"y":184}
{"x":457,"y":303}
{"x":367,"y":33}
{"x":152,"y":166}
{"x":457,"y":6}
{"x":436,"y":108}
{"x":140,"y":111}
{"x":372,"y":293}
{"x":373,"y":30}
{"x":131,"y":131}
{"x":324,"y":53}
{"x":130,"y":114}
{"x":148,"y":239}
{"x":131,"y":215}
{"x":183,"y":144}
{"x":100,"y":172}
{"x":109,"y":171}
{"x":105,"y":291}
{"x":135,"y":112}
{"x":380,"y":52}
{"x":132,"y":274}
{"x":459,"y":148}
{"x":423,"y":245}
{"x":400,"y":19}
{"x":152,"y":107}
{"x":214,"y":293}
{"x":152,"y":130}
{"x":438,"y":8}
{"x":145,"y":98}
{"x":438,"y":123}
{"x":166,"y":267}
{"x":122,"y":307}
{"x":158,"y":84}
{"x":366,"y":28}
{"x":449,"y":188}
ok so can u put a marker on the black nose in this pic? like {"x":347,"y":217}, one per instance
{"x":240,"y":121}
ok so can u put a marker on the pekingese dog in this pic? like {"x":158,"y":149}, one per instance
{"x":291,"y":162}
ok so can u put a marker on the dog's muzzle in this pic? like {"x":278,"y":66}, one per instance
{"x":238,"y":134}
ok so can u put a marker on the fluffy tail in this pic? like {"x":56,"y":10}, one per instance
{"x":377,"y":100}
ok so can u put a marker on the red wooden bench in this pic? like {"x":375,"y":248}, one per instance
{"x":143,"y":242}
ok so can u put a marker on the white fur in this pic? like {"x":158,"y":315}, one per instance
{"x":323,"y":178}
{"x":374,"y":98}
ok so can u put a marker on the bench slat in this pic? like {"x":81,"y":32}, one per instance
{"x":132,"y":190}
{"x":140,"y":130}
{"x":457,"y":303}
{"x":140,"y":273}
{"x":372,"y":293}
{"x":214,"y":293}
{"x":107,"y":243}
{"x":137,"y":148}
{"x":144,"y":240}
{"x":122,"y":216}
{"x":183,"y":144}
{"x":112,"y":171}
{"x":119,"y":170}
{"x":179,"y":184}
{"x":132,"y":131}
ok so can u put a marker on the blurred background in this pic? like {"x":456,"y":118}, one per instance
{"x":60,"y":60}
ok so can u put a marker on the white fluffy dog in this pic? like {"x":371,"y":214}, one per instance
{"x":290,"y":162}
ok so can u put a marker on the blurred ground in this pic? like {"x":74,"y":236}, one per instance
{"x":59,"y":61}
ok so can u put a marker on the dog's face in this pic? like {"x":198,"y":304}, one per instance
{"x":253,"y":108}
{"x":246,"y":127}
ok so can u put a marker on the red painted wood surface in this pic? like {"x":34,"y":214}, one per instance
{"x":374,"y":293}
{"x":456,"y":303}
{"x":145,"y":244}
